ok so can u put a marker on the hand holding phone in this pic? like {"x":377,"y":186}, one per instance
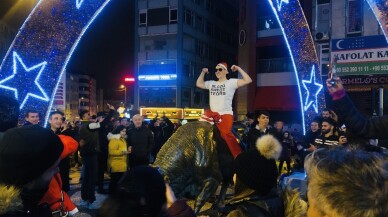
{"x":333,"y":72}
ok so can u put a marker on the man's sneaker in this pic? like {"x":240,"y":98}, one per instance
{"x":83,"y":203}
{"x":92,"y":206}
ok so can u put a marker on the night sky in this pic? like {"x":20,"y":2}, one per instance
{"x":106,"y":49}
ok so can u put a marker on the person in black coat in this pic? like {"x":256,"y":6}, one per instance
{"x":105,"y":128}
{"x":260,"y":129}
{"x":143,"y":192}
{"x":162,"y":128}
{"x":256,"y":182}
{"x":141,"y":141}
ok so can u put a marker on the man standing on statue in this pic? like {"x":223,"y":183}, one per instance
{"x":221,"y":94}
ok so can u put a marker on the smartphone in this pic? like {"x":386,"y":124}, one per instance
{"x":333,"y":72}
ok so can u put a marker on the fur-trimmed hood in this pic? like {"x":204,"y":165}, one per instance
{"x":269,"y":147}
{"x":111,"y":136}
{"x":10,"y":200}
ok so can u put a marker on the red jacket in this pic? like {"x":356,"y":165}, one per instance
{"x":54,"y":194}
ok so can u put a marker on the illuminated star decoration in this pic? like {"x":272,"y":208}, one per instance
{"x":280,"y":3}
{"x":27,"y":76}
{"x":315,"y":88}
{"x":79,"y":3}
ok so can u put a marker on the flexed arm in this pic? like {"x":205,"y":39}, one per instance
{"x":246,"y":79}
{"x":201,"y":79}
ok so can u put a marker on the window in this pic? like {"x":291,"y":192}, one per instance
{"x":159,"y":45}
{"x":84,"y":88}
{"x":198,"y":2}
{"x":209,"y":28}
{"x":158,"y":16}
{"x":83,"y":80}
{"x":354,"y":18}
{"x":143,"y":18}
{"x":173,"y":15}
{"x":199,"y":23}
{"x":189,"y":17}
{"x":323,"y":2}
{"x":209,"y":5}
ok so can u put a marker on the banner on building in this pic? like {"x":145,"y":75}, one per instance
{"x":360,"y":55}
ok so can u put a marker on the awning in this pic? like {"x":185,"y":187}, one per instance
{"x":277,"y":98}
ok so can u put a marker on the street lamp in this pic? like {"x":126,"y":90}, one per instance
{"x":125,"y":94}
{"x":79,"y":103}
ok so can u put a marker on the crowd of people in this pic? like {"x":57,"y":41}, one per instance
{"x":346,"y":175}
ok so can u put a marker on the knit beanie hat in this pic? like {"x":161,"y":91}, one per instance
{"x":26,"y":153}
{"x":223,"y":65}
{"x":256,"y":168}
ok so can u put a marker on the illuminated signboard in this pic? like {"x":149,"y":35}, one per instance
{"x":171,"y":113}
{"x":157,"y":77}
{"x":190,"y":113}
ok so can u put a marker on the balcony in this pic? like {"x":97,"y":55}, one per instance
{"x":268,"y":26}
{"x":157,"y":55}
{"x":274,"y":65}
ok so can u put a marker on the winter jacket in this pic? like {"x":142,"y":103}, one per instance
{"x":117,"y":159}
{"x":375,"y":127}
{"x":254,"y":134}
{"x":142,"y":141}
{"x":53,"y":196}
{"x":91,"y":139}
{"x":254,"y":205}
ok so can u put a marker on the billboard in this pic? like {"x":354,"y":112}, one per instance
{"x":360,"y":55}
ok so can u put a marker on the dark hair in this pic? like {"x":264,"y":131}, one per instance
{"x":31,"y":111}
{"x":331,"y":121}
{"x":262,"y":113}
{"x":82,"y":113}
{"x":316,"y":120}
{"x":56,"y":112}
{"x":9,"y":112}
{"x":118,"y":129}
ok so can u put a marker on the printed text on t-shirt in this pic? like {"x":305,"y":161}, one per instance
{"x":217,"y":89}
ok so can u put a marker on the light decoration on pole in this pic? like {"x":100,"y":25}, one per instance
{"x":380,"y":10}
{"x":300,"y":44}
{"x":43,"y":47}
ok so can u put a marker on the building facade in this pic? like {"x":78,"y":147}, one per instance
{"x":263,"y":51}
{"x":343,"y":28}
{"x":174,"y":40}
{"x":348,"y":30}
{"x":75,"y":93}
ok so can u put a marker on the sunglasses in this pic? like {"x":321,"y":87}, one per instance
{"x":219,"y":69}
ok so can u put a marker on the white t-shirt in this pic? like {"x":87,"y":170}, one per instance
{"x":221,"y":95}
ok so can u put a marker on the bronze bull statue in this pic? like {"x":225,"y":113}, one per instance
{"x":196,"y":160}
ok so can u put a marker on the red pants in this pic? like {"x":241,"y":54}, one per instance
{"x":225,"y":127}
